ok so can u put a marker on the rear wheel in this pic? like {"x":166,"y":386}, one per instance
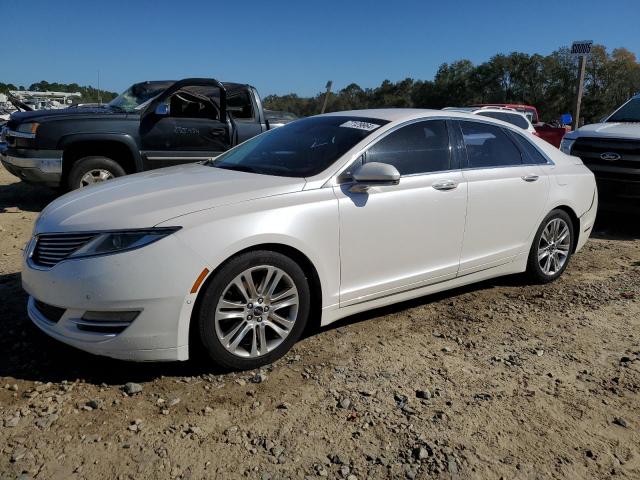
{"x":552,"y":247}
{"x":254,"y":310}
{"x":89,"y":170}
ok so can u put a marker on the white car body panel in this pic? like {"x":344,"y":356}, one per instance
{"x":148,"y":198}
{"x":500,"y":214}
{"x":367,"y":252}
{"x":402,"y":244}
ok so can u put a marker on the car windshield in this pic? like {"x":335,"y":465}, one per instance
{"x":136,"y":96}
{"x":299,"y":149}
{"x":629,"y":112}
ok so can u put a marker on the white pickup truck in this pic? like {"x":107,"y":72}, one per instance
{"x":611,"y":149}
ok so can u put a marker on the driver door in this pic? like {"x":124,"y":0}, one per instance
{"x":187,"y":124}
{"x":405,"y":236}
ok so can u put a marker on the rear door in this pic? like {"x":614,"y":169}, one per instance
{"x":507,"y":193}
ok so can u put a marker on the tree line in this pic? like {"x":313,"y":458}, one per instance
{"x":89,"y":94}
{"x":546,"y":82}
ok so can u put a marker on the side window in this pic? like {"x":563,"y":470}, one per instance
{"x":531,"y":153}
{"x":240,"y":106}
{"x":421,"y":147}
{"x":191,"y":103}
{"x":488,"y":146}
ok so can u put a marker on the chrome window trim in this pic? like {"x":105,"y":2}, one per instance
{"x":333,"y":180}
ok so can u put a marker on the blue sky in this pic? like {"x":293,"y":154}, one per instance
{"x":288,"y":46}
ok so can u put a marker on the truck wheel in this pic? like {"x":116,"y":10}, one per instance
{"x":89,"y":170}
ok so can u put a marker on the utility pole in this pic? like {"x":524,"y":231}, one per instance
{"x":582,"y":62}
{"x":326,"y":96}
{"x":581,"y":50}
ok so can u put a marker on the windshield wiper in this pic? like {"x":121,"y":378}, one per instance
{"x":624,"y":120}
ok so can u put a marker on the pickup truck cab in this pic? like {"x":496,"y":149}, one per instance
{"x":611,"y":150}
{"x":150,"y":125}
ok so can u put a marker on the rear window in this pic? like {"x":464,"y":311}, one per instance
{"x":512,"y":118}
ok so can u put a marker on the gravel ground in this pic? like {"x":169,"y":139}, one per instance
{"x":496,"y":380}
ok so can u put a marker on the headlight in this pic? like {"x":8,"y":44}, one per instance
{"x":566,"y":144}
{"x":28,"y":128}
{"x":115,"y":242}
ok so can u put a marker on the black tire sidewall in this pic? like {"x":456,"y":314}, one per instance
{"x":215,"y":288}
{"x":533,"y":266}
{"x":85,"y":164}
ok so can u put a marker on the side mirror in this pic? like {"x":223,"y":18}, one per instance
{"x":162,"y":109}
{"x":374,"y":174}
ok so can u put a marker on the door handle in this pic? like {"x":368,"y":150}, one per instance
{"x":445,"y":185}
{"x":530,"y":178}
{"x":216,"y":132}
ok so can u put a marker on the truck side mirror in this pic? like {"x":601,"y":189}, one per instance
{"x":162,"y":109}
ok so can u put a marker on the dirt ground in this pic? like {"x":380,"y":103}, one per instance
{"x":497,"y":380}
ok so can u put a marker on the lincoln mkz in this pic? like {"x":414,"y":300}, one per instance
{"x":314,"y":221}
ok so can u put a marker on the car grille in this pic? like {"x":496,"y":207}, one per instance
{"x":52,"y":248}
{"x":51,"y":313}
{"x":590,"y":149}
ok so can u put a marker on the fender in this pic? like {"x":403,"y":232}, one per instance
{"x":123,"y":138}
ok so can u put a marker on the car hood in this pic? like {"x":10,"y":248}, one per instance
{"x":608,"y":129}
{"x":146,"y":199}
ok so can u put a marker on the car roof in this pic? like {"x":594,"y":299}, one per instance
{"x":508,"y":111}
{"x":404,"y":114}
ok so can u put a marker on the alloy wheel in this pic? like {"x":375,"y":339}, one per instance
{"x":95,"y":176}
{"x":256,"y":311}
{"x":554,"y":246}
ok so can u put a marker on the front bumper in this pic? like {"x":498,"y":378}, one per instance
{"x":35,"y":166}
{"x":622,"y":195}
{"x":155,"y":280}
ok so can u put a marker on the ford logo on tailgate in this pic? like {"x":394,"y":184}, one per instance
{"x":610,"y":156}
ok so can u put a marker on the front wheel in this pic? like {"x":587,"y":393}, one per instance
{"x":552,"y":247}
{"x":89,"y":170}
{"x":254,"y":310}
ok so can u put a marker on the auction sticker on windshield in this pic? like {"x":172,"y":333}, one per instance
{"x":360,"y":125}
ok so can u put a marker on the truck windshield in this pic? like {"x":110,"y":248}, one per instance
{"x":629,"y":112}
{"x":137,"y":95}
{"x":299,"y":149}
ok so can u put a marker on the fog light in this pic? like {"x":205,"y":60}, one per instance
{"x":110,"y":316}
{"x":106,"y":322}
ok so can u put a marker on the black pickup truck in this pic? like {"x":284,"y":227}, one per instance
{"x":150,"y":125}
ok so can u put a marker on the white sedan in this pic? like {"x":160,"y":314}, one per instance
{"x":317,"y":220}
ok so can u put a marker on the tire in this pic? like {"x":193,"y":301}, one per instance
{"x":543,"y":268}
{"x":254,"y":313}
{"x":98,"y":168}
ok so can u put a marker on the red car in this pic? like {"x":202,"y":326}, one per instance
{"x":547,"y":132}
